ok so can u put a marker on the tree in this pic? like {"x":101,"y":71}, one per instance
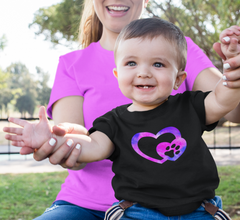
{"x":5,"y":93}
{"x":43,"y":89}
{"x":59,"y":22}
{"x":203,"y":21}
{"x":26,"y":103}
{"x":24,"y":87}
{"x":3,"y":42}
{"x":3,"y":79}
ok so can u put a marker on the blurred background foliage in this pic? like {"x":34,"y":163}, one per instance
{"x":23,"y":90}
{"x":203,"y":21}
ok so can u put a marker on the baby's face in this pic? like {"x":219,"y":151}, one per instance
{"x":146,"y":70}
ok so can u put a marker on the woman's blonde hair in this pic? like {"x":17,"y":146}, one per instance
{"x":90,"y":29}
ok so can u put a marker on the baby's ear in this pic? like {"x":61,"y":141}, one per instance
{"x":115,"y":72}
{"x":181,"y":76}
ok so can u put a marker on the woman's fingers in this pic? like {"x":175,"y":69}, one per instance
{"x":71,"y":162}
{"x":45,"y":150}
{"x":67,"y":156}
{"x":217,"y":48}
{"x":233,"y":78}
{"x":61,"y":153}
{"x":232,"y":66}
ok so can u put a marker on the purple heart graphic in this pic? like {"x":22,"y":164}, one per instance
{"x":168,"y":151}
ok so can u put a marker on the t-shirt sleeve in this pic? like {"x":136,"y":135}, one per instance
{"x":64,"y":85}
{"x":197,"y":61}
{"x":198,"y":104}
{"x":106,"y":125}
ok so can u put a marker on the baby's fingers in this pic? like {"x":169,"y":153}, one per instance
{"x":18,"y":144}
{"x":229,"y":32}
{"x":232,"y":48}
{"x":13,"y":137}
{"x":18,"y":121}
{"x":13,"y":130}
{"x":235,"y":29}
{"x":26,"y":150}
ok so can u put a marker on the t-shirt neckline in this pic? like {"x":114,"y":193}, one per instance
{"x":100,"y":48}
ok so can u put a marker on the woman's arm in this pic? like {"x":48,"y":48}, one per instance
{"x":68,"y":109}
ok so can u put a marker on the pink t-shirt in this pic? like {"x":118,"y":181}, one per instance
{"x":88,"y":73}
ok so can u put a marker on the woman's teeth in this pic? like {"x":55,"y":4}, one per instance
{"x":118,"y":8}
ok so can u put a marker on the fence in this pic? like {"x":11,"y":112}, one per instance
{"x":223,"y":137}
{"x":7,"y":151}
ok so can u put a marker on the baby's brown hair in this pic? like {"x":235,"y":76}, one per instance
{"x":155,"y":27}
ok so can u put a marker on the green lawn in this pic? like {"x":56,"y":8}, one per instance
{"x":25,"y":196}
{"x":229,"y":189}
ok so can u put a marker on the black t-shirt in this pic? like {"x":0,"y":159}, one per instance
{"x":160,"y":159}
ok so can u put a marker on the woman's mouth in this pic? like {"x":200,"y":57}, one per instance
{"x":116,"y":9}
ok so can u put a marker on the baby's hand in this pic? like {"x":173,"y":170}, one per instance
{"x":32,"y":135}
{"x":228,"y":32}
{"x":232,"y":46}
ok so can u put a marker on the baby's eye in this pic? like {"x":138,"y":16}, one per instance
{"x":131,"y":63}
{"x":158,"y":65}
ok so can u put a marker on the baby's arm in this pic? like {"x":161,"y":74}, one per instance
{"x":95,"y":147}
{"x":223,"y":99}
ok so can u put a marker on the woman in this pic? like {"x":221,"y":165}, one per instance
{"x":85,"y":88}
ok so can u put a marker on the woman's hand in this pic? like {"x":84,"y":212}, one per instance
{"x":231,"y":68}
{"x":67,"y":154}
{"x":233,"y":72}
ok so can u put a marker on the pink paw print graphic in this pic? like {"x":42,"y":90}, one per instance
{"x":168,"y":151}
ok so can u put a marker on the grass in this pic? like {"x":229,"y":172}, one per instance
{"x":229,"y":189}
{"x":26,"y":196}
